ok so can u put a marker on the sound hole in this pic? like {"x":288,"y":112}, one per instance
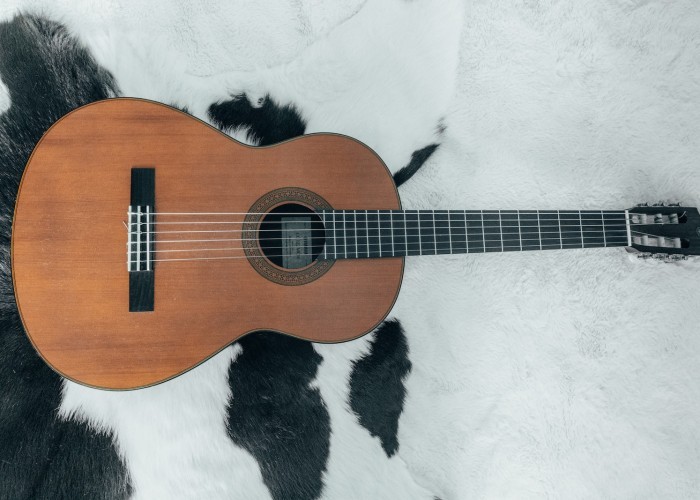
{"x":291,"y":236}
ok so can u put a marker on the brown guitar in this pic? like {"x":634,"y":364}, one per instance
{"x":144,"y":241}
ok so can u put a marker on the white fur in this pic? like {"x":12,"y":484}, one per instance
{"x":556,"y":374}
{"x":173,"y":435}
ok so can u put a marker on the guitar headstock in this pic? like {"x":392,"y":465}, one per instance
{"x":668,"y":232}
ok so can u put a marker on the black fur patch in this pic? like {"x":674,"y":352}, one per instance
{"x":277,"y":417}
{"x":274,"y":413}
{"x":377,"y":389}
{"x":47,"y":74}
{"x":268,"y":124}
{"x":418,"y":158}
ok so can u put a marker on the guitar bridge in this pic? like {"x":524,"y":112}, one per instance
{"x":141,"y":240}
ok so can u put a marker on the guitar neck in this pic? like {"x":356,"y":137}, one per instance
{"x":354,"y":234}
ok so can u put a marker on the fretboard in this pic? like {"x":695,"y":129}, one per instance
{"x":352,"y":234}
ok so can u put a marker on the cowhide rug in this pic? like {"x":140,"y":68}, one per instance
{"x":556,"y":374}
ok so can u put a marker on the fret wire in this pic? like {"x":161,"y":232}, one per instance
{"x":332,"y":235}
{"x":561,"y":241}
{"x":449,"y":228}
{"x":539,"y":229}
{"x":500,"y":226}
{"x":405,"y":232}
{"x":354,"y":222}
{"x":483,"y":233}
{"x":520,"y":234}
{"x":420,"y":238}
{"x":580,"y":222}
{"x":434,"y":234}
{"x":367,"y":224}
{"x":345,"y":237}
{"x":466,"y":231}
{"x":325,"y":243}
{"x":391,"y":225}
{"x":379,"y":233}
{"x":602,"y":220}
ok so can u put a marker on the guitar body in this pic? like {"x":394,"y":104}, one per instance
{"x":69,"y":253}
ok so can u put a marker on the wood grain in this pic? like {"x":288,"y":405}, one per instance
{"x":69,"y":258}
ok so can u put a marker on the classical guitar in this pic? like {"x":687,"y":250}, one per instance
{"x":145,"y":241}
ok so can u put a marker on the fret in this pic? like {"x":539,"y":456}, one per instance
{"x":373,"y":233}
{"x":549,"y":230}
{"x":385,"y":233}
{"x":529,"y":230}
{"x":329,"y":218}
{"x":493,"y":241}
{"x":413,"y":240}
{"x":561,"y":242}
{"x":500,"y":228}
{"x":570,"y":229}
{"x":449,"y":229}
{"x":475,"y":232}
{"x":615,"y":228}
{"x":592,"y":230}
{"x":340,"y":248}
{"x":483,"y":230}
{"x":510,"y":231}
{"x":391,"y":223}
{"x":324,"y":254}
{"x":458,"y":230}
{"x":427,"y":232}
{"x":398,"y":224}
{"x":361,"y":233}
{"x":442,"y":232}
{"x":351,"y":234}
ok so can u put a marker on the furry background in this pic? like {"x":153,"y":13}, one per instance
{"x":554,"y":374}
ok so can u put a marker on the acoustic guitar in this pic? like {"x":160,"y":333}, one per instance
{"x":144,"y":241}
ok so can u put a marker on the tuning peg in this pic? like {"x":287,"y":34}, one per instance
{"x":679,"y":204}
{"x":659,"y":204}
{"x":642,"y":204}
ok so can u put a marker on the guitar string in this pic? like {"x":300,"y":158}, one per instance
{"x":593,"y":221}
{"x":377,"y":245}
{"x":413,"y":211}
{"x":333,"y":229}
{"x":577,"y":245}
{"x":349,"y":235}
{"x":349,"y":225}
{"x":477,"y":249}
{"x":356,"y":237}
